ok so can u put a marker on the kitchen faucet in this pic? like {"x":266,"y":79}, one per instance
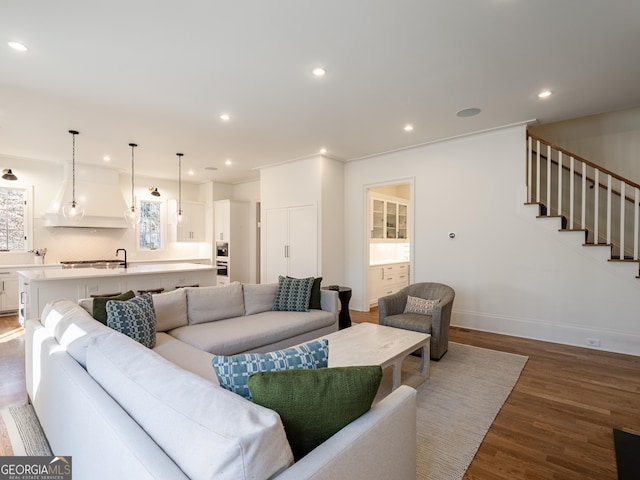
{"x":125,"y":256}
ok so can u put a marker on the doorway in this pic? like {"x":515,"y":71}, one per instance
{"x":389,"y":233}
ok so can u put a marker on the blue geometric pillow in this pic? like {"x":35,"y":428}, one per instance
{"x":293,"y":294}
{"x":233,"y":371}
{"x":135,"y":318}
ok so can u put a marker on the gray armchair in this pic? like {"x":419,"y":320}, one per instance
{"x":391,"y":313}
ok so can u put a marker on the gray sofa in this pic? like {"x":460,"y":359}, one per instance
{"x":160,"y":413}
{"x":391,"y":312}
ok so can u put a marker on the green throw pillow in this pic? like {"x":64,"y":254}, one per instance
{"x":315,"y":404}
{"x":100,"y":305}
{"x":314,"y":301}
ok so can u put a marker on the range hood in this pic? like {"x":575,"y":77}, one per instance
{"x":97,"y":191}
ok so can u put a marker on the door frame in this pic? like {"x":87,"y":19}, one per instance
{"x":366,"y":235}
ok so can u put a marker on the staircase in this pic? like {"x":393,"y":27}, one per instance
{"x":586,"y":198}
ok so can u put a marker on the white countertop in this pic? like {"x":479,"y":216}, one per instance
{"x":77,"y":273}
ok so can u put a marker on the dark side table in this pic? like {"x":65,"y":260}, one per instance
{"x":344,"y":294}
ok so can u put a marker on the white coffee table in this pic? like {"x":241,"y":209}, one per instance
{"x":373,"y":344}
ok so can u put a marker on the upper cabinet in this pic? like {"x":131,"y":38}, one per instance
{"x":192,"y":227}
{"x":222,"y":212}
{"x":389,"y":219}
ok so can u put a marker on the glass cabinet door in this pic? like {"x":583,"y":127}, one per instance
{"x":377,"y":221}
{"x":392,"y":221}
{"x":402,"y":221}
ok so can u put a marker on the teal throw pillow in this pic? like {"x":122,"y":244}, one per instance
{"x":315,"y":404}
{"x":234,"y":370}
{"x":293,"y":294}
{"x":100,"y":305}
{"x":134,"y":318}
{"x":314,"y":300}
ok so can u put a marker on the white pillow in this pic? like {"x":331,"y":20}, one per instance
{"x":421,"y":306}
{"x":259,"y":298}
{"x":207,"y":431}
{"x":171,"y":309}
{"x":207,"y":304}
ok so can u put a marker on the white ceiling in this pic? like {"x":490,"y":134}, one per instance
{"x":159,"y":73}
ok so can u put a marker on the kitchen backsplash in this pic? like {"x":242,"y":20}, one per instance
{"x":380,"y":253}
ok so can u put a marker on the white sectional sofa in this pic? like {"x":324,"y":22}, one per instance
{"x":122,"y":410}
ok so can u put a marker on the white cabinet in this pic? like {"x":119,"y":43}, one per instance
{"x":8,"y":291}
{"x":232,"y":228}
{"x":389,"y":217}
{"x":383,"y":280}
{"x":222,"y":212}
{"x":291,"y":242}
{"x":192,"y":226}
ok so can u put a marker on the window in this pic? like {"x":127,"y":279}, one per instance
{"x":150,"y":230}
{"x":13,"y":235}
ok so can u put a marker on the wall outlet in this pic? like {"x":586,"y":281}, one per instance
{"x":593,"y":342}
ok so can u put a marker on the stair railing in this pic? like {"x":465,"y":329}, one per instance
{"x":562,"y":181}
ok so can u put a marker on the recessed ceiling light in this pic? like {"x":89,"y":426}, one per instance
{"x":408,"y":128}
{"x":468,"y":112}
{"x":106,"y":158}
{"x":190,"y":172}
{"x":18,"y":46}
{"x":319,"y":72}
{"x":323,"y":151}
{"x":227,"y":161}
{"x":544,"y":94}
{"x":225,"y":117}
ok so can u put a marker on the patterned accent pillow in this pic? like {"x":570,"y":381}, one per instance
{"x":420,"y":305}
{"x":135,"y":318}
{"x":234,"y":371}
{"x":99,"y":305}
{"x":293,"y":294}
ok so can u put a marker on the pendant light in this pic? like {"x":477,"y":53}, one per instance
{"x":132,"y":214}
{"x":154,"y":191}
{"x":179,"y":215}
{"x":72,"y":210}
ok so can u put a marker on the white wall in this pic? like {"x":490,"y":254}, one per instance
{"x":512,"y":273}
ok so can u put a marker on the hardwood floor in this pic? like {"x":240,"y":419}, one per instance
{"x":557,"y":423}
{"x":12,"y":385}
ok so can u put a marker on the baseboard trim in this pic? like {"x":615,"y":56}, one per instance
{"x":611,"y":341}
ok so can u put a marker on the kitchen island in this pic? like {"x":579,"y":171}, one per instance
{"x":37,"y":287}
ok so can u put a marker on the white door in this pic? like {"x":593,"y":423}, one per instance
{"x":303,"y":242}
{"x":291,"y":242}
{"x":276,"y":234}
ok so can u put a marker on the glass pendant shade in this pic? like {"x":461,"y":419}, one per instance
{"x":180,"y":217}
{"x":132,"y":214}
{"x":73,"y":211}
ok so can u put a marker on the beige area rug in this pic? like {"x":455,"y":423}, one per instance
{"x":24,"y":431}
{"x":457,"y":405}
